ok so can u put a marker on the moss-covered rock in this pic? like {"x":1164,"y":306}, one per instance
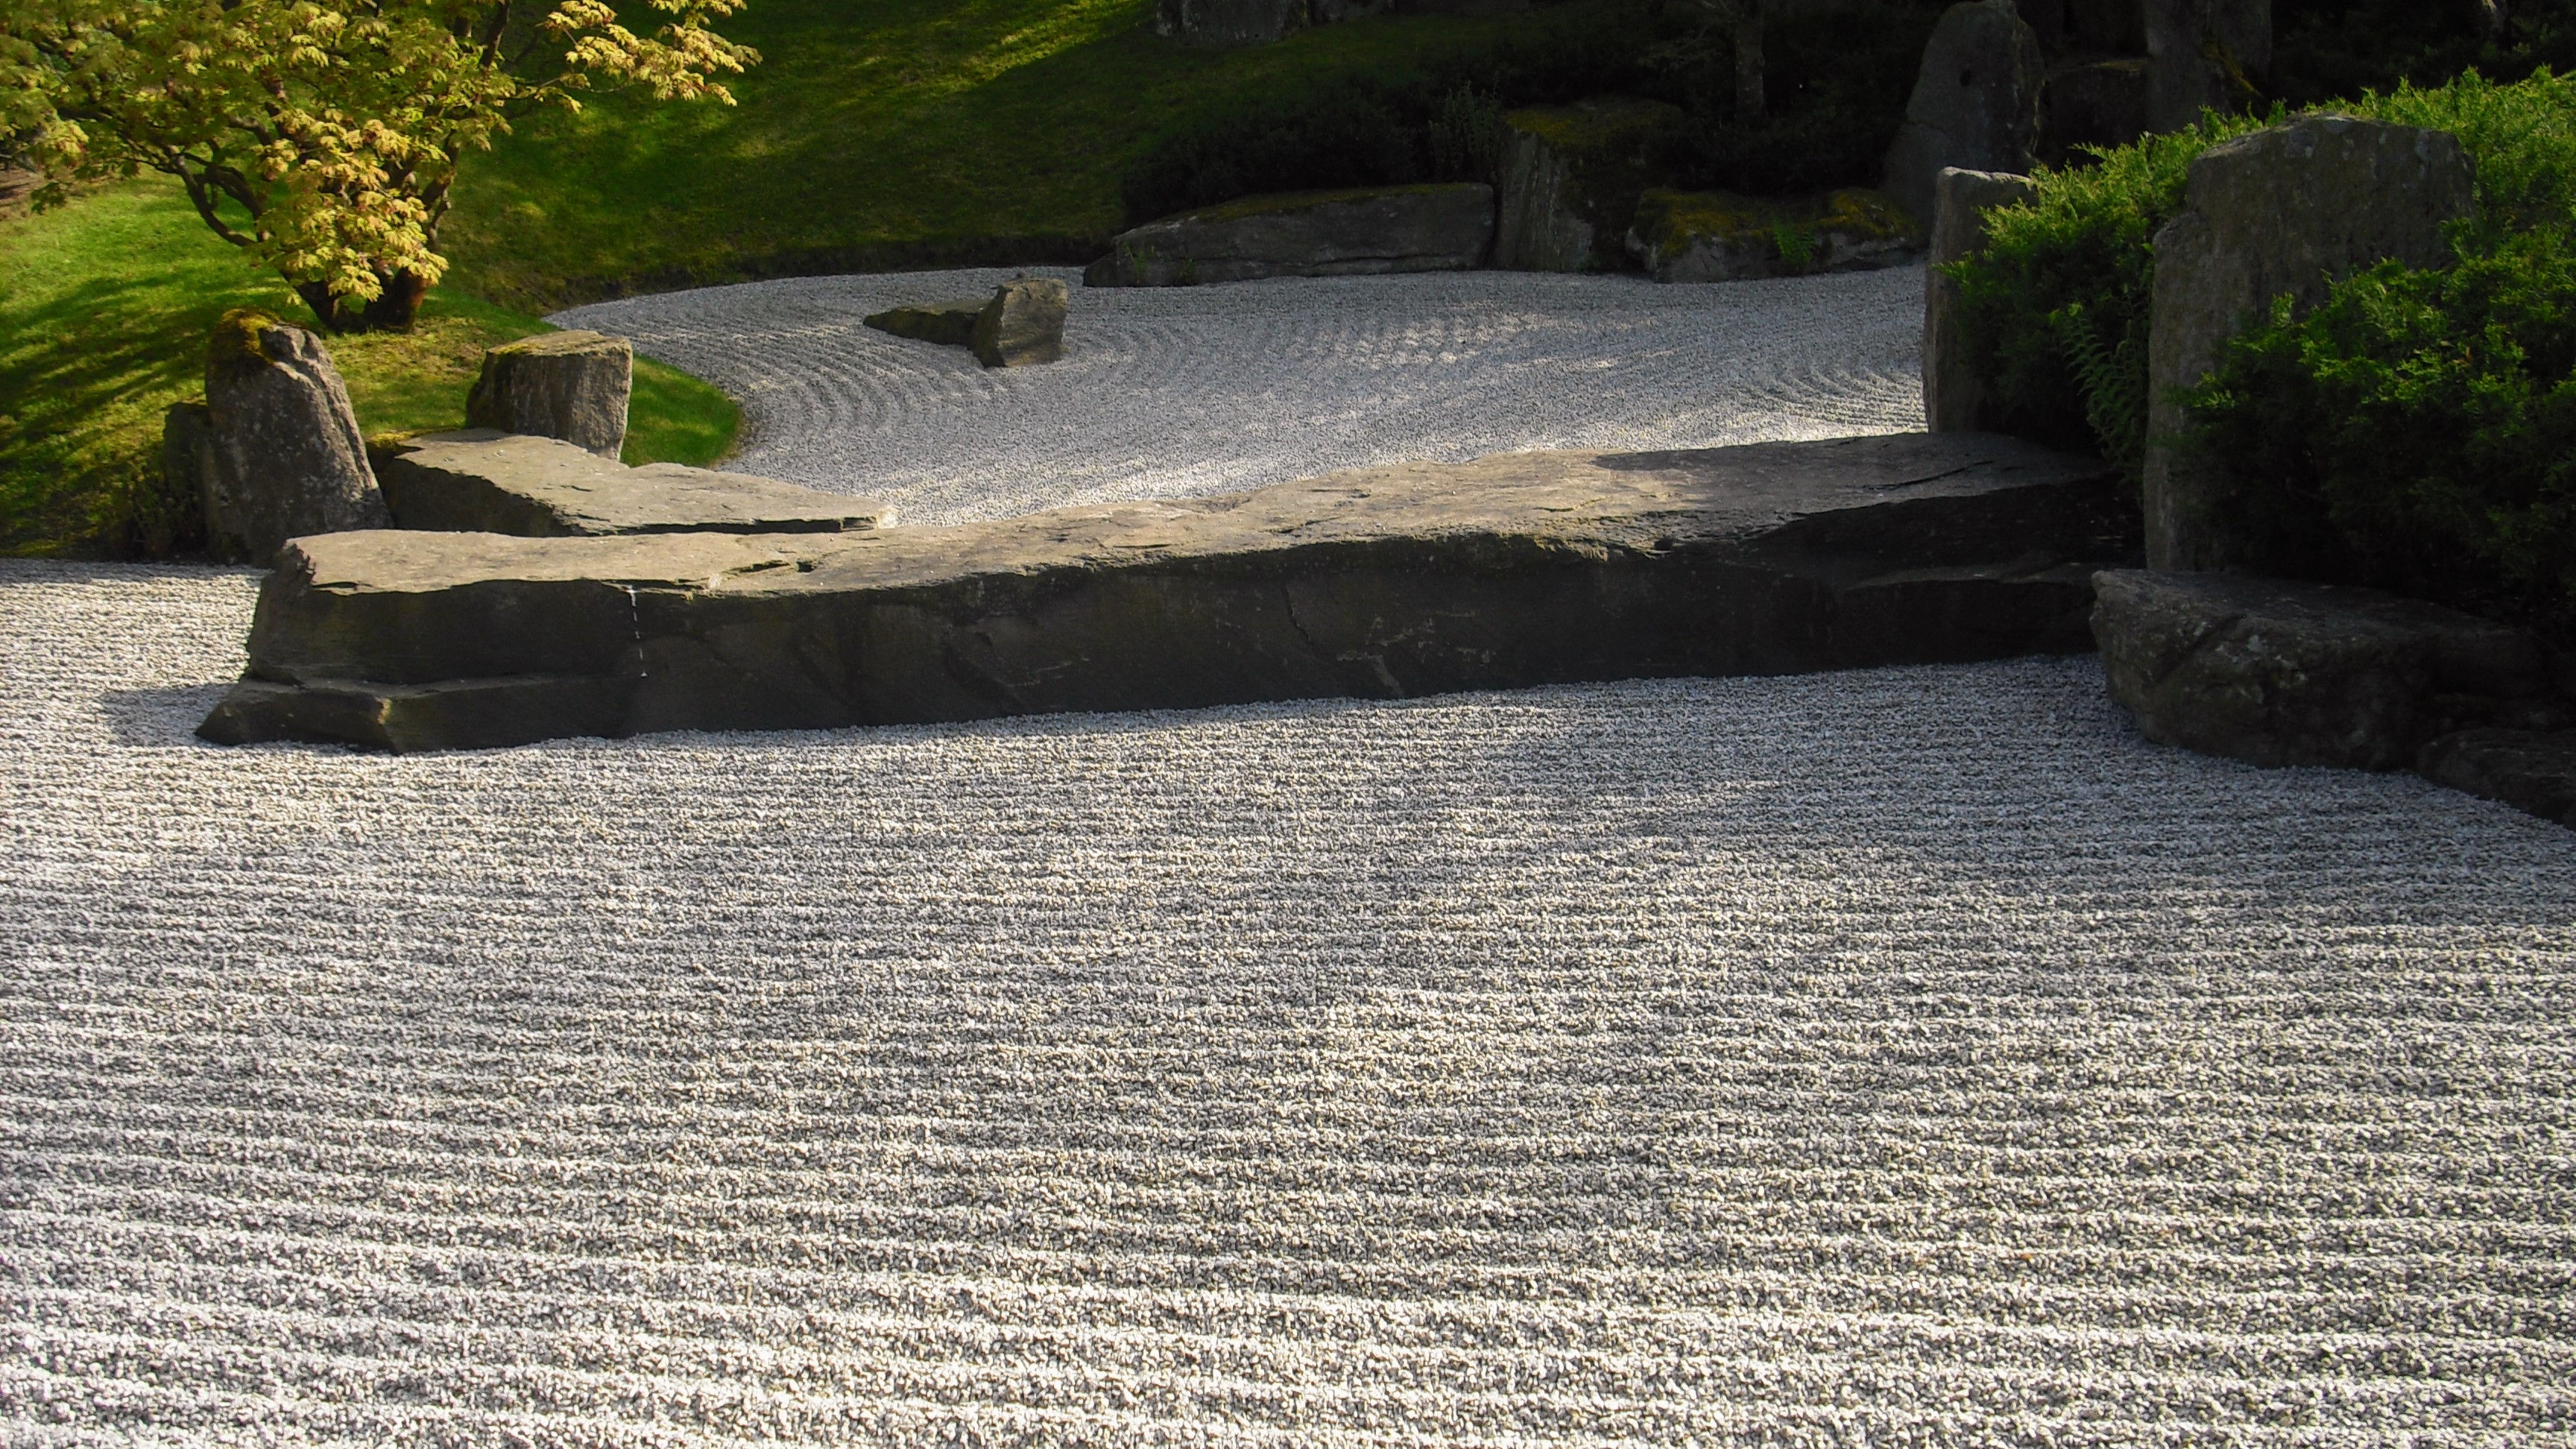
{"x":1716,"y":236}
{"x":1571,"y":179}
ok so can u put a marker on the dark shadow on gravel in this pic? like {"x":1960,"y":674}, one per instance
{"x":161,"y":718}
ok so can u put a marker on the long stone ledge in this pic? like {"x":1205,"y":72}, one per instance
{"x":1515,"y":570}
{"x":477,"y":480}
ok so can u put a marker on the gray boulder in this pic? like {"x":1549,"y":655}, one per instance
{"x":2529,"y":770}
{"x":1229,"y":22}
{"x":1023,"y":324}
{"x":2282,"y":673}
{"x":571,"y":385}
{"x":950,"y":323}
{"x":1954,"y":395}
{"x":1446,"y":227}
{"x":480,"y":481}
{"x":1975,"y":103}
{"x":1410,"y":579}
{"x":2279,"y":212}
{"x":1571,"y":180}
{"x":283,"y":457}
{"x":2210,"y":54}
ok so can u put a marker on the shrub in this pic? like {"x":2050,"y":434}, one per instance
{"x":2417,"y":429}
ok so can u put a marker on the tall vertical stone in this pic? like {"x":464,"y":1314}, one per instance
{"x":2204,"y":53}
{"x":281,"y":454}
{"x":1953,"y":395}
{"x":1975,"y":103}
{"x":570,"y":385}
{"x":1023,"y":324}
{"x":1570,"y":183}
{"x":2280,"y":212}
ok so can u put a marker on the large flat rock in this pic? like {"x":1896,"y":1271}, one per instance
{"x":1357,"y":232}
{"x":480,"y":481}
{"x":1520,"y":569}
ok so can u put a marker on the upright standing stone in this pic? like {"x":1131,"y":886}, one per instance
{"x":1023,"y":325}
{"x":568,"y":385}
{"x":1571,"y":179}
{"x":1953,"y":395}
{"x":2204,"y":54}
{"x":2282,"y":211}
{"x":284,"y":457}
{"x":1975,"y":103}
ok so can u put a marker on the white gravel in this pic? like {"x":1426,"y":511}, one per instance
{"x":1910,"y":1056}
{"x":1167,"y":391}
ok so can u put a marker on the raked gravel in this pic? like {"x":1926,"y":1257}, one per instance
{"x":1908,"y":1056}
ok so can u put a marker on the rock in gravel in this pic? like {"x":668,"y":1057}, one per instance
{"x":950,"y":323}
{"x":2526,"y":769}
{"x":2281,"y":673}
{"x":480,"y":481}
{"x":569,"y":385}
{"x":1520,"y":569}
{"x":2280,"y":212}
{"x":1954,"y":394}
{"x":1023,"y":324}
{"x":2212,"y":54}
{"x":1975,"y":103}
{"x":287,"y":459}
{"x":1715,"y":236}
{"x":1355,"y":232}
{"x":1571,"y":178}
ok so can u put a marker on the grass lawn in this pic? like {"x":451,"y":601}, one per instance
{"x":104,"y":310}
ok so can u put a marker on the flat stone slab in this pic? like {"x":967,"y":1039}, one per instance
{"x":480,"y":481}
{"x":2531,"y":771}
{"x":950,"y":323}
{"x":2284,"y":673}
{"x":1514,"y":570}
{"x":1446,"y":226}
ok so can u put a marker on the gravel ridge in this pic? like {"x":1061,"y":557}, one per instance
{"x":1900,"y":1056}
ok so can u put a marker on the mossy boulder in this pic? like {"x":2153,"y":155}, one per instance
{"x":1358,"y":231}
{"x":1716,"y":236}
{"x":1571,"y":179}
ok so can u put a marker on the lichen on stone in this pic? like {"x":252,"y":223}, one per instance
{"x":237,"y":336}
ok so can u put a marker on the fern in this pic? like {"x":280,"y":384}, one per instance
{"x":2112,"y":380}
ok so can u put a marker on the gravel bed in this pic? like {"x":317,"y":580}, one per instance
{"x":1900,"y":1056}
{"x":1169,"y":391}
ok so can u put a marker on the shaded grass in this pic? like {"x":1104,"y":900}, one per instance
{"x":104,"y":310}
{"x":888,"y":133}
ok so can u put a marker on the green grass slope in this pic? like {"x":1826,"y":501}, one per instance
{"x":880,"y":134}
{"x":104,"y":310}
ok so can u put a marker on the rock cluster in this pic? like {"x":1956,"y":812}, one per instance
{"x":1571,"y":178}
{"x":1358,"y":231}
{"x":1020,"y":325}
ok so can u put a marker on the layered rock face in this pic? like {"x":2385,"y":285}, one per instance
{"x":277,"y":453}
{"x":480,"y":481}
{"x":2280,"y":212}
{"x":1572,"y":176}
{"x":1954,"y":395}
{"x":1975,"y":103}
{"x":568,"y":385}
{"x":1712,"y":236}
{"x":1356,"y":232}
{"x":1515,"y":570}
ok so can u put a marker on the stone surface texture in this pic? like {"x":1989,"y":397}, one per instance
{"x":950,"y":323}
{"x":287,"y":458}
{"x":1023,"y":323}
{"x":2530,"y":770}
{"x":479,"y":481}
{"x":1229,"y":22}
{"x":572,"y":385}
{"x":1364,"y":231}
{"x":1954,"y":395}
{"x":1571,"y":179}
{"x":2281,"y":673}
{"x":1524,"y":569}
{"x":1714,"y":236}
{"x":2204,"y":54}
{"x":1975,"y":103}
{"x":2275,"y":213}
{"x":1181,"y":391}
